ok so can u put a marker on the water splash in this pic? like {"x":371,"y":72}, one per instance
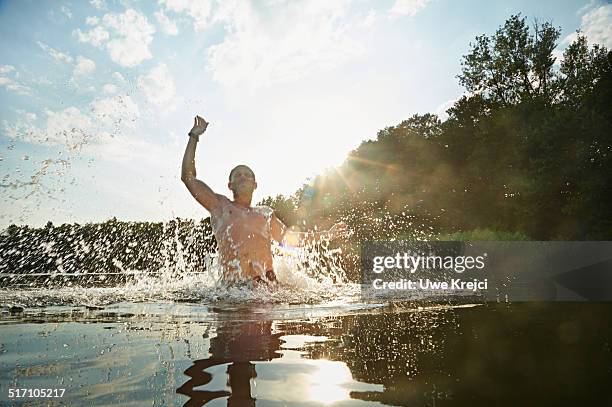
{"x":174,"y":261}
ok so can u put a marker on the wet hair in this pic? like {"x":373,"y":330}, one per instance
{"x":238,"y":166}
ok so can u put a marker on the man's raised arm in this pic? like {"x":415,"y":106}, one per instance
{"x":200,"y":191}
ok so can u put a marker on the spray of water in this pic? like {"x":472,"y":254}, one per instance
{"x":175,"y":261}
{"x":113,"y":261}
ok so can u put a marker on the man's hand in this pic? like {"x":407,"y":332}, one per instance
{"x":199,"y":127}
{"x":200,"y":191}
{"x":339,"y":230}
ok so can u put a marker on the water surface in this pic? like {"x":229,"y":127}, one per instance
{"x":329,"y":353}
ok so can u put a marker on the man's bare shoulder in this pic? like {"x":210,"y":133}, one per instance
{"x":223,"y":198}
{"x":222,"y":201}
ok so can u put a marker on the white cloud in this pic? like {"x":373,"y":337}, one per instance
{"x":127,"y":148}
{"x":66,"y":11}
{"x":198,"y":10}
{"x":98,"y":4}
{"x":168,"y":26}
{"x":115,"y":111}
{"x":370,"y":18}
{"x":42,"y":80}
{"x":116,"y":118}
{"x":96,"y":36}
{"x":133,"y":35}
{"x":30,"y":116}
{"x":92,"y":20}
{"x":596,"y":24}
{"x":442,"y":108}
{"x":20,"y":130}
{"x":57,"y":55}
{"x":108,"y":118}
{"x":127,"y":36}
{"x":158,"y":85}
{"x":69,"y":126}
{"x":118,"y":77}
{"x":315,"y":38}
{"x":15,"y":86}
{"x":6,"y":69}
{"x":11,"y":83}
{"x":84,"y":66}
{"x":109,"y":88}
{"x":407,"y":7}
{"x":557,"y":54}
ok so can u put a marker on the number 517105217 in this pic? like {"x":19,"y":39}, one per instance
{"x":35,"y":393}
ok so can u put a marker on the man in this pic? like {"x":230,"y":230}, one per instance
{"x":244,"y":233}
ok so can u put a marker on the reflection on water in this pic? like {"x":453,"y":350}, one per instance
{"x":262,"y":365}
{"x":182,"y":354}
{"x":235,"y":347}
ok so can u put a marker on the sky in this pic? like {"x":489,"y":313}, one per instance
{"x":97,"y":97}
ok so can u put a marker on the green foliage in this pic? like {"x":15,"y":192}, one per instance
{"x":482,"y":235}
{"x":527,"y":148}
{"x":108,"y":247}
{"x":284,"y":208}
{"x":513,"y":65}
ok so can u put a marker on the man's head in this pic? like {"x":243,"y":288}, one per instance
{"x":242,"y":180}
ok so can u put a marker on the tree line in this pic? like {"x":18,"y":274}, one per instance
{"x":112,"y":246}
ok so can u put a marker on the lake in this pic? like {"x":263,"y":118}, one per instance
{"x":339,"y":351}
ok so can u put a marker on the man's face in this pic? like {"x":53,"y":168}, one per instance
{"x":242,"y":180}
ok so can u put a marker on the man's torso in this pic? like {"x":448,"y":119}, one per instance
{"x":244,"y":239}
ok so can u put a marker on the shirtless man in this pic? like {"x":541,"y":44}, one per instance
{"x":244,"y":233}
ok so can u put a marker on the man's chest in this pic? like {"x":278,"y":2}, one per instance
{"x":246,"y":221}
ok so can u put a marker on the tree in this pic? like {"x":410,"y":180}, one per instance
{"x":513,"y":65}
